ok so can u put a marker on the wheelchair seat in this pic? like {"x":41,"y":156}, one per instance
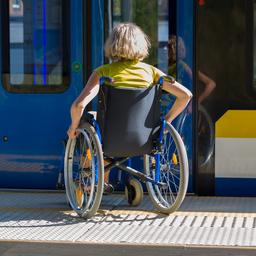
{"x":129,"y":119}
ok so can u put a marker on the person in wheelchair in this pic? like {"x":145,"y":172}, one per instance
{"x":127,"y":47}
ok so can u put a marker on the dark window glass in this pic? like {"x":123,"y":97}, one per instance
{"x":34,"y":58}
{"x":254,"y":45}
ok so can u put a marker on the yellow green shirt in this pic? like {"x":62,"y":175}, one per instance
{"x":129,"y":73}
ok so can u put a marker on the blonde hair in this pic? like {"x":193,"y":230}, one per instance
{"x":127,"y":41}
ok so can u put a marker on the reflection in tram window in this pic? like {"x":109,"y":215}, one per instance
{"x":16,"y":8}
{"x":181,"y":70}
{"x":36,"y":55}
{"x":163,"y":32}
{"x":117,"y":13}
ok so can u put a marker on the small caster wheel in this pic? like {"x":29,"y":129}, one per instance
{"x":108,"y":189}
{"x":133,"y":192}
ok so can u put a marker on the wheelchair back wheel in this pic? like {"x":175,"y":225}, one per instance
{"x":174,"y":173}
{"x":84,"y":172}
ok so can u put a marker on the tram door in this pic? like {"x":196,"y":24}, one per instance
{"x":226,"y":92}
{"x":169,"y":25}
{"x":41,"y":74}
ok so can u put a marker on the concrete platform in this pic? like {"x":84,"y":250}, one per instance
{"x":214,"y":222}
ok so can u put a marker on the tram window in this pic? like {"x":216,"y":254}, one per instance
{"x":152,"y":17}
{"x":34,"y":59}
{"x":254,"y":45}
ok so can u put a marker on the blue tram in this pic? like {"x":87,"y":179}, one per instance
{"x":49,"y":48}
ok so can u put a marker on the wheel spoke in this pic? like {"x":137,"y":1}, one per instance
{"x":84,"y":155}
{"x":173,"y":173}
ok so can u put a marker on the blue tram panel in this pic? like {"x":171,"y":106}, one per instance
{"x":37,"y":89}
{"x":39,"y":85}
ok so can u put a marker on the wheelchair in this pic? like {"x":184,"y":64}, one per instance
{"x":128,"y":124}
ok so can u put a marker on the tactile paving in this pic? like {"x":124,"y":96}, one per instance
{"x":33,"y":216}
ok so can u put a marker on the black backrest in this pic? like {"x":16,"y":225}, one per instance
{"x":129,"y":119}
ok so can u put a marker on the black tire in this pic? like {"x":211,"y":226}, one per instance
{"x":84,"y":172}
{"x":174,"y":172}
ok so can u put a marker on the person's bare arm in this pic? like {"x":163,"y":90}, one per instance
{"x":88,"y":93}
{"x":183,"y":96}
{"x":209,"y":86}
